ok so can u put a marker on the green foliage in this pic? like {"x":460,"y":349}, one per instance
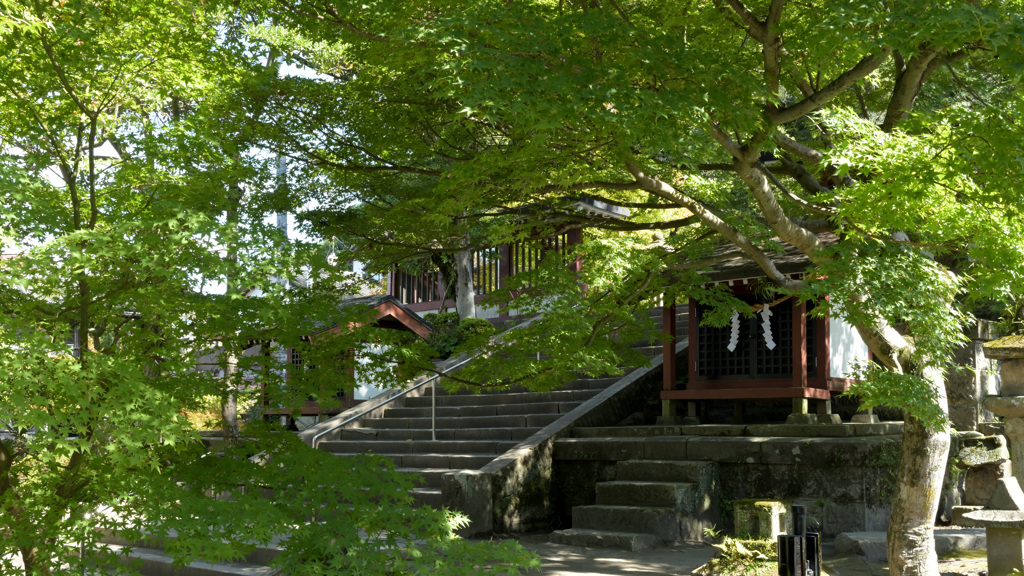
{"x":877,"y":386}
{"x":444,"y":338}
{"x":474,"y":332}
{"x":741,"y":556}
{"x":451,"y":335}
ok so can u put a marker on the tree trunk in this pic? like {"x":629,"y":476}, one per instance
{"x":919,"y":479}
{"x":464,"y":293}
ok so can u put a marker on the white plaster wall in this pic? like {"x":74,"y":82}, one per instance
{"x":847,"y":347}
{"x":366,"y":387}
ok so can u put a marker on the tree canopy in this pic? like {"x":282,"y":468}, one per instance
{"x":893,"y":127}
{"x":129,"y":191}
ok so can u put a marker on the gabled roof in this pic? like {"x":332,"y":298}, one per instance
{"x":790,"y":261}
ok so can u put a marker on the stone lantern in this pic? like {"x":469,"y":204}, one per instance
{"x":1003,"y":517}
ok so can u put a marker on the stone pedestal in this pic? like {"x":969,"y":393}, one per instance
{"x":1003,"y":521}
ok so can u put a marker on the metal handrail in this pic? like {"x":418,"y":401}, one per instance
{"x":433,"y":404}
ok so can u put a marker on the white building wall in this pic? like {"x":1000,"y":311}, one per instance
{"x":366,"y":385}
{"x":847,"y":347}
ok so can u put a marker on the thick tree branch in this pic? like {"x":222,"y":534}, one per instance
{"x":793,"y":197}
{"x":907,"y":86}
{"x":777,"y":220}
{"x":755,"y":28}
{"x":666,"y":191}
{"x":867,"y":65}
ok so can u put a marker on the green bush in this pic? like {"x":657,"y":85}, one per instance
{"x":450,"y":335}
{"x":474,"y":332}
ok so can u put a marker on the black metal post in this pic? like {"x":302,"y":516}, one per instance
{"x":800,"y":552}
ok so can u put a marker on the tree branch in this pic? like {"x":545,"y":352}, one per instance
{"x":666,"y":191}
{"x":867,"y":65}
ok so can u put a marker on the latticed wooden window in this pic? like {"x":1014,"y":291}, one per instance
{"x":751,"y":357}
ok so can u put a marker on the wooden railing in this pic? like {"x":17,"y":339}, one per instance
{"x":491,"y":269}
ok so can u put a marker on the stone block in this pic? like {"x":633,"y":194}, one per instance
{"x":469,"y":491}
{"x":739,"y":449}
{"x":599,"y":449}
{"x":668,"y":448}
{"x":980,"y":482}
{"x":981,"y":451}
{"x":761,"y":519}
{"x":959,"y":511}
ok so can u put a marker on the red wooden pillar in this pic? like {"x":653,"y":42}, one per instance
{"x":800,"y":345}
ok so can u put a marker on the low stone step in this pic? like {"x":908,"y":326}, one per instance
{"x":428,"y":497}
{"x":448,"y":461}
{"x":672,"y":495}
{"x":154,"y":562}
{"x":633,"y":541}
{"x":428,"y":477}
{"x":518,"y":434}
{"x":662,"y":523}
{"x":417,"y":446}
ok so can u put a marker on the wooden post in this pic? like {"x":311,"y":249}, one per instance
{"x":800,"y":345}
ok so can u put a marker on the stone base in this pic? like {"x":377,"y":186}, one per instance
{"x":814,"y":419}
{"x":761,"y":519}
{"x":864,"y":419}
{"x":959,"y":511}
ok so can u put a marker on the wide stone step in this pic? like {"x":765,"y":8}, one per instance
{"x":526,"y":420}
{"x":672,"y":495}
{"x":417,"y":446}
{"x":503,"y":399}
{"x":633,"y":541}
{"x":154,"y":562}
{"x":487,"y":410}
{"x":428,"y":477}
{"x":428,"y":497}
{"x":449,"y":461}
{"x":662,"y":523}
{"x":517,"y":434}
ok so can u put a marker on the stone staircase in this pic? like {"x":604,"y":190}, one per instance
{"x":472,"y":429}
{"x":650,"y":502}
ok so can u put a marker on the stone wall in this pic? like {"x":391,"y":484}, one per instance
{"x":845,"y":483}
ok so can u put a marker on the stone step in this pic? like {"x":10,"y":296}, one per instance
{"x":488,"y":410}
{"x":418,"y":446}
{"x":625,"y":431}
{"x":505,"y":398}
{"x":666,"y":471}
{"x":672,"y":495}
{"x":525,"y":421}
{"x":154,"y":562}
{"x":517,"y":434}
{"x":632,"y":541}
{"x":259,"y":555}
{"x":662,"y":523}
{"x":428,"y":497}
{"x":428,"y":477}
{"x":448,"y":461}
